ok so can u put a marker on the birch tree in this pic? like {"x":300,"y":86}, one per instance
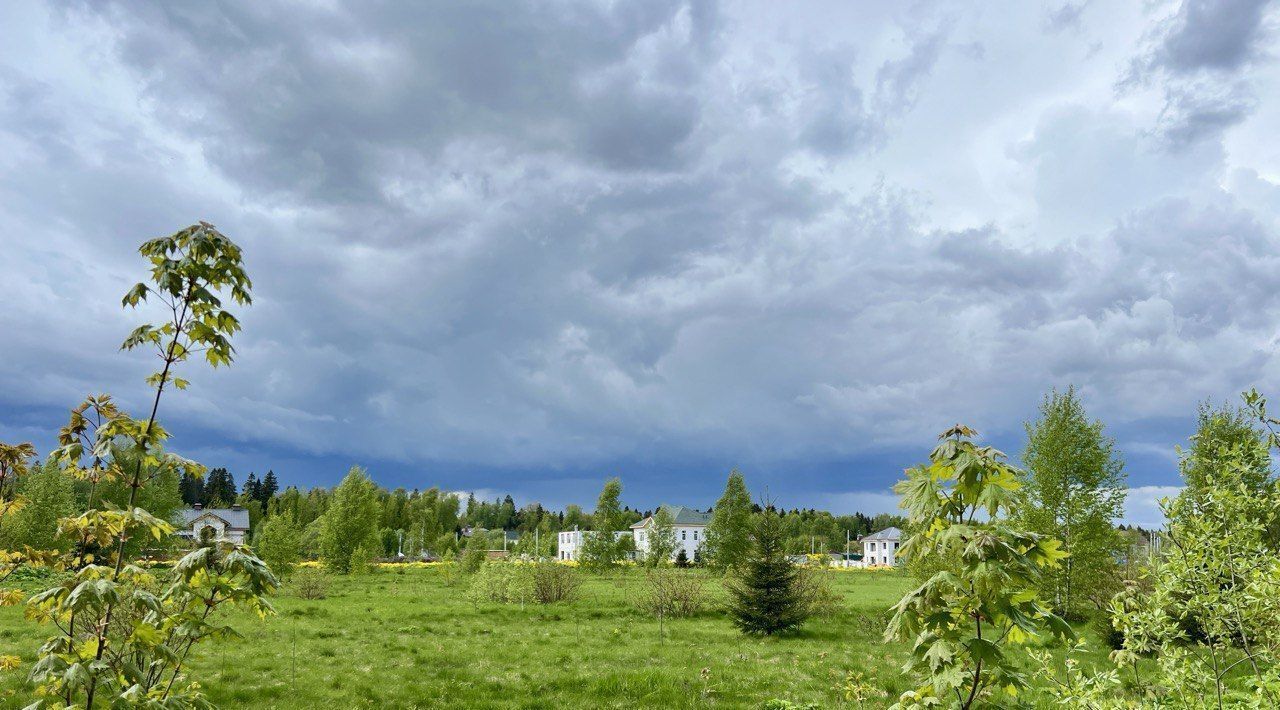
{"x":1074,"y":488}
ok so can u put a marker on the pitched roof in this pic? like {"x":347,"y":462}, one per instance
{"x":680,"y":515}
{"x":234,"y":517}
{"x":886,"y":534}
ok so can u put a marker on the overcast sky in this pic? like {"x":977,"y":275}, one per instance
{"x":521,"y":247}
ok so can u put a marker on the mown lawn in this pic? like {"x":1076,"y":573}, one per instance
{"x":409,"y":638}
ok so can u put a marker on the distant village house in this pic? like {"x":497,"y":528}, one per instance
{"x":690,"y":527}
{"x":881,"y":548}
{"x":222,"y":524}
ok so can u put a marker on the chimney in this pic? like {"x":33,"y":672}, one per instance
{"x":198,"y":506}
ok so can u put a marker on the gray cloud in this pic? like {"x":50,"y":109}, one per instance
{"x":1197,"y":55}
{"x":1213,"y":34}
{"x":521,"y":235}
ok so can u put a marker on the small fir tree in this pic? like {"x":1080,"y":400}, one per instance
{"x":766,"y":597}
{"x":268,"y":489}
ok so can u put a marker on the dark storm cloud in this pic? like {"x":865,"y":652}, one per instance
{"x":1213,"y":34}
{"x":1197,"y":56}
{"x":532,"y":236}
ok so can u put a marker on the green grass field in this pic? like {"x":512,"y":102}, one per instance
{"x":406,"y":638}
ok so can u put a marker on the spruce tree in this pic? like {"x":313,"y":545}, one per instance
{"x":766,"y":597}
{"x":252,"y":489}
{"x":269,"y":487}
{"x":729,"y":533}
{"x":219,"y":488}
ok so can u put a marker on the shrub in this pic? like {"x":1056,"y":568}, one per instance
{"x":362,"y":560}
{"x":279,"y":544}
{"x":554,"y":583}
{"x":472,"y":558}
{"x":1105,"y":627}
{"x":501,"y":582}
{"x":816,"y":593}
{"x":311,"y":583}
{"x":671,"y":592}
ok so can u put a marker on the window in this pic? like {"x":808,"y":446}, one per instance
{"x":873,"y":547}
{"x":684,"y":534}
{"x":695,"y":535}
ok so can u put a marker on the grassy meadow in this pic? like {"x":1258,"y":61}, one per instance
{"x":411,"y":637}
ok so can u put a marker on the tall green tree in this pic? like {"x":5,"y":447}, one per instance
{"x":1218,"y":581}
{"x":661,"y":538}
{"x":14,"y":465}
{"x":985,"y":597}
{"x":601,"y":549}
{"x":50,"y":496}
{"x":269,"y":487}
{"x":351,"y":522}
{"x":1074,"y":489}
{"x":729,"y":532}
{"x":1229,"y":449}
{"x":766,"y":597}
{"x":279,"y":544}
{"x":219,"y":488}
{"x":127,"y":644}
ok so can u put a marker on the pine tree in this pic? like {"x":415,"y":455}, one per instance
{"x":729,"y":533}
{"x":1074,"y":489}
{"x":270,"y":486}
{"x":766,"y":597}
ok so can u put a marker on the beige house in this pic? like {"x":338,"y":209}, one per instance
{"x":224,"y":524}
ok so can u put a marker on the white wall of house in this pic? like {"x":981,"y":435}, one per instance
{"x":570,"y":542}
{"x":879,"y":552}
{"x":688,"y":538}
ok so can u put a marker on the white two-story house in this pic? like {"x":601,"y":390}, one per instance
{"x":690,"y":527}
{"x":881,"y":548}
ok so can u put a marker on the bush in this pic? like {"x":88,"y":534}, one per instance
{"x":501,"y":582}
{"x":672,"y":593}
{"x":472,"y":558}
{"x":1110,"y":636}
{"x":362,"y":560}
{"x":311,"y":583}
{"x":816,"y":593}
{"x":554,"y":582}
{"x":279,"y":544}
